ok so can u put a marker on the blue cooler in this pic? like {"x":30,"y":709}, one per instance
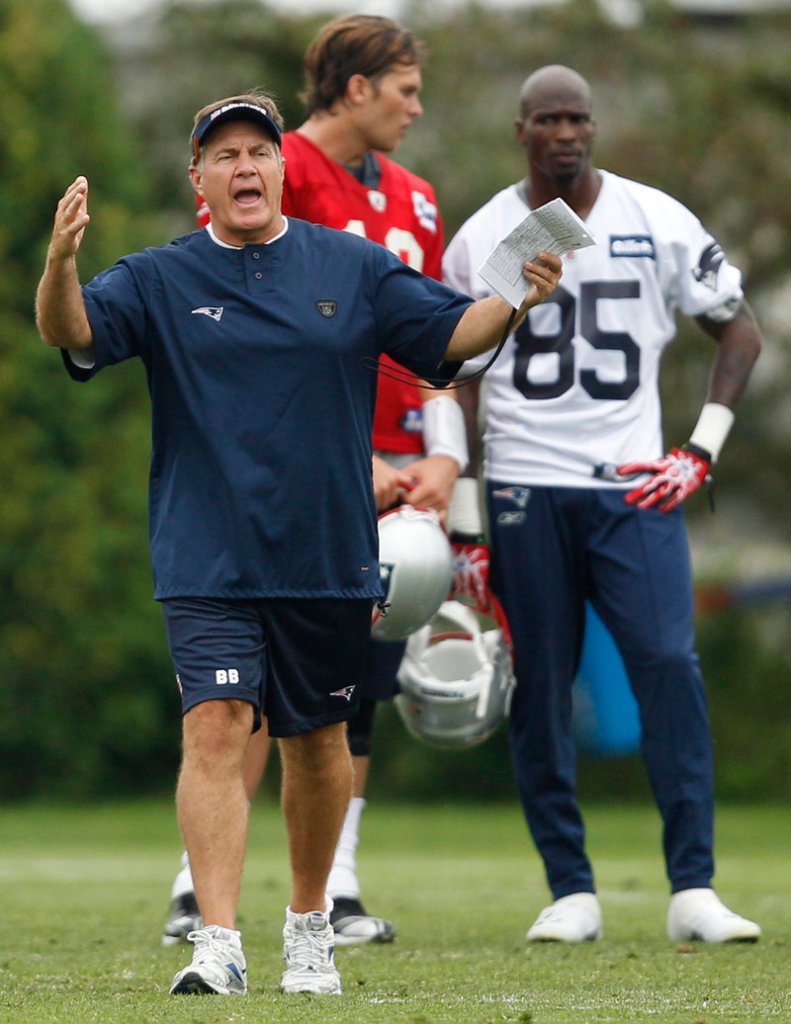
{"x":605,"y":716}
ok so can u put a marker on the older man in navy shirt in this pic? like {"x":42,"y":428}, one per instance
{"x":257,"y":335}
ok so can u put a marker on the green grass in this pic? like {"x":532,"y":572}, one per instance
{"x":84,"y":893}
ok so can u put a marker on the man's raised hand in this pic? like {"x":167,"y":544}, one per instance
{"x":71,"y":219}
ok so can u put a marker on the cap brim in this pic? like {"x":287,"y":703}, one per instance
{"x":235,"y":112}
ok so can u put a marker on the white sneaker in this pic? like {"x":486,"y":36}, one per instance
{"x":574,"y":918}
{"x":353,"y":925}
{"x":309,"y":954}
{"x":183,"y":918}
{"x":183,"y":914}
{"x":698,"y":915}
{"x":218,"y":966}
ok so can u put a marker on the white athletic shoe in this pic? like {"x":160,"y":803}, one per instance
{"x":309,"y":954}
{"x":218,"y":966}
{"x":183,"y":914}
{"x":574,"y":918}
{"x":353,"y":925}
{"x":698,"y":915}
{"x":183,"y":918}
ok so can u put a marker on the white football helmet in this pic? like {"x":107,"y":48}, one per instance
{"x":416,"y":565}
{"x":456,"y":678}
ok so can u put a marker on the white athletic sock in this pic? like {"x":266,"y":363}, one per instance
{"x":343,"y":876}
{"x":183,"y":881}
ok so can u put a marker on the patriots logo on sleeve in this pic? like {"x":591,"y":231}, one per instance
{"x":709,"y":264}
{"x":425,"y":211}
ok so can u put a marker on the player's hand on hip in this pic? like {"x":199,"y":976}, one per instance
{"x":71,"y":219}
{"x":672,"y":478}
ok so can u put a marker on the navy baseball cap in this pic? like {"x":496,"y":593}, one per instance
{"x":234,"y":111}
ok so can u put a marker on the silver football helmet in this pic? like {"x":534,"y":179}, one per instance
{"x":416,"y":565}
{"x":456,"y":678}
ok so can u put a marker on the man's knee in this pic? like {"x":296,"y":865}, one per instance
{"x":318,"y":750}
{"x":215,"y":726}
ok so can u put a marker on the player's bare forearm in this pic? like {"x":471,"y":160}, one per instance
{"x":483,"y":323}
{"x":60,"y":310}
{"x":468,"y":397}
{"x":738,"y":347}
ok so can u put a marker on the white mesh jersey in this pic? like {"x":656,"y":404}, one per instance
{"x":577,"y":383}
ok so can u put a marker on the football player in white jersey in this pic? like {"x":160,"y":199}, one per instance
{"x":584,"y":502}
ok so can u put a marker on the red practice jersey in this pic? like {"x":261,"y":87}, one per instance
{"x":401,"y":214}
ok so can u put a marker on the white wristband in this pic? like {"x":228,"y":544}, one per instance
{"x":444,"y":432}
{"x":464,"y":514}
{"x":712,"y":428}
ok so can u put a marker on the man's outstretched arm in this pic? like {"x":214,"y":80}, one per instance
{"x":483,"y":323}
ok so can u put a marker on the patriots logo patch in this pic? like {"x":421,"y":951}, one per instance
{"x":378,"y":200}
{"x":327,"y":307}
{"x":425,"y":211}
{"x":412,"y":421}
{"x":518,"y":495}
{"x":215,"y":312}
{"x":709,"y":265}
{"x":345,"y":692}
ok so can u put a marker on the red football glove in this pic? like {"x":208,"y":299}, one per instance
{"x":673,"y":478}
{"x":470,"y":584}
{"x":471,"y":575}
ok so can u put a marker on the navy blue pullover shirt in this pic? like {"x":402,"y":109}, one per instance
{"x":259,"y":369}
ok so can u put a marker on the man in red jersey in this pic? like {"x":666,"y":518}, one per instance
{"x":363,"y":81}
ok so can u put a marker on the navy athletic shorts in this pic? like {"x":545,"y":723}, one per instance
{"x":298,"y":661}
{"x":380,"y":681}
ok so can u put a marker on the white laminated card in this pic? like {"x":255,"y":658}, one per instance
{"x":554,"y":227}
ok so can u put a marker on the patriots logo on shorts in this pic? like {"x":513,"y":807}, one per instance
{"x":345,"y":692}
{"x":518,"y":495}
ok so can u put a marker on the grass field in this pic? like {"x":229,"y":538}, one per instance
{"x":85,"y":890}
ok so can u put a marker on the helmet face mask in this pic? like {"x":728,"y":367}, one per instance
{"x":456,"y":678}
{"x":416,"y":565}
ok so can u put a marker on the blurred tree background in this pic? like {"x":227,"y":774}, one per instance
{"x":697,"y":106}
